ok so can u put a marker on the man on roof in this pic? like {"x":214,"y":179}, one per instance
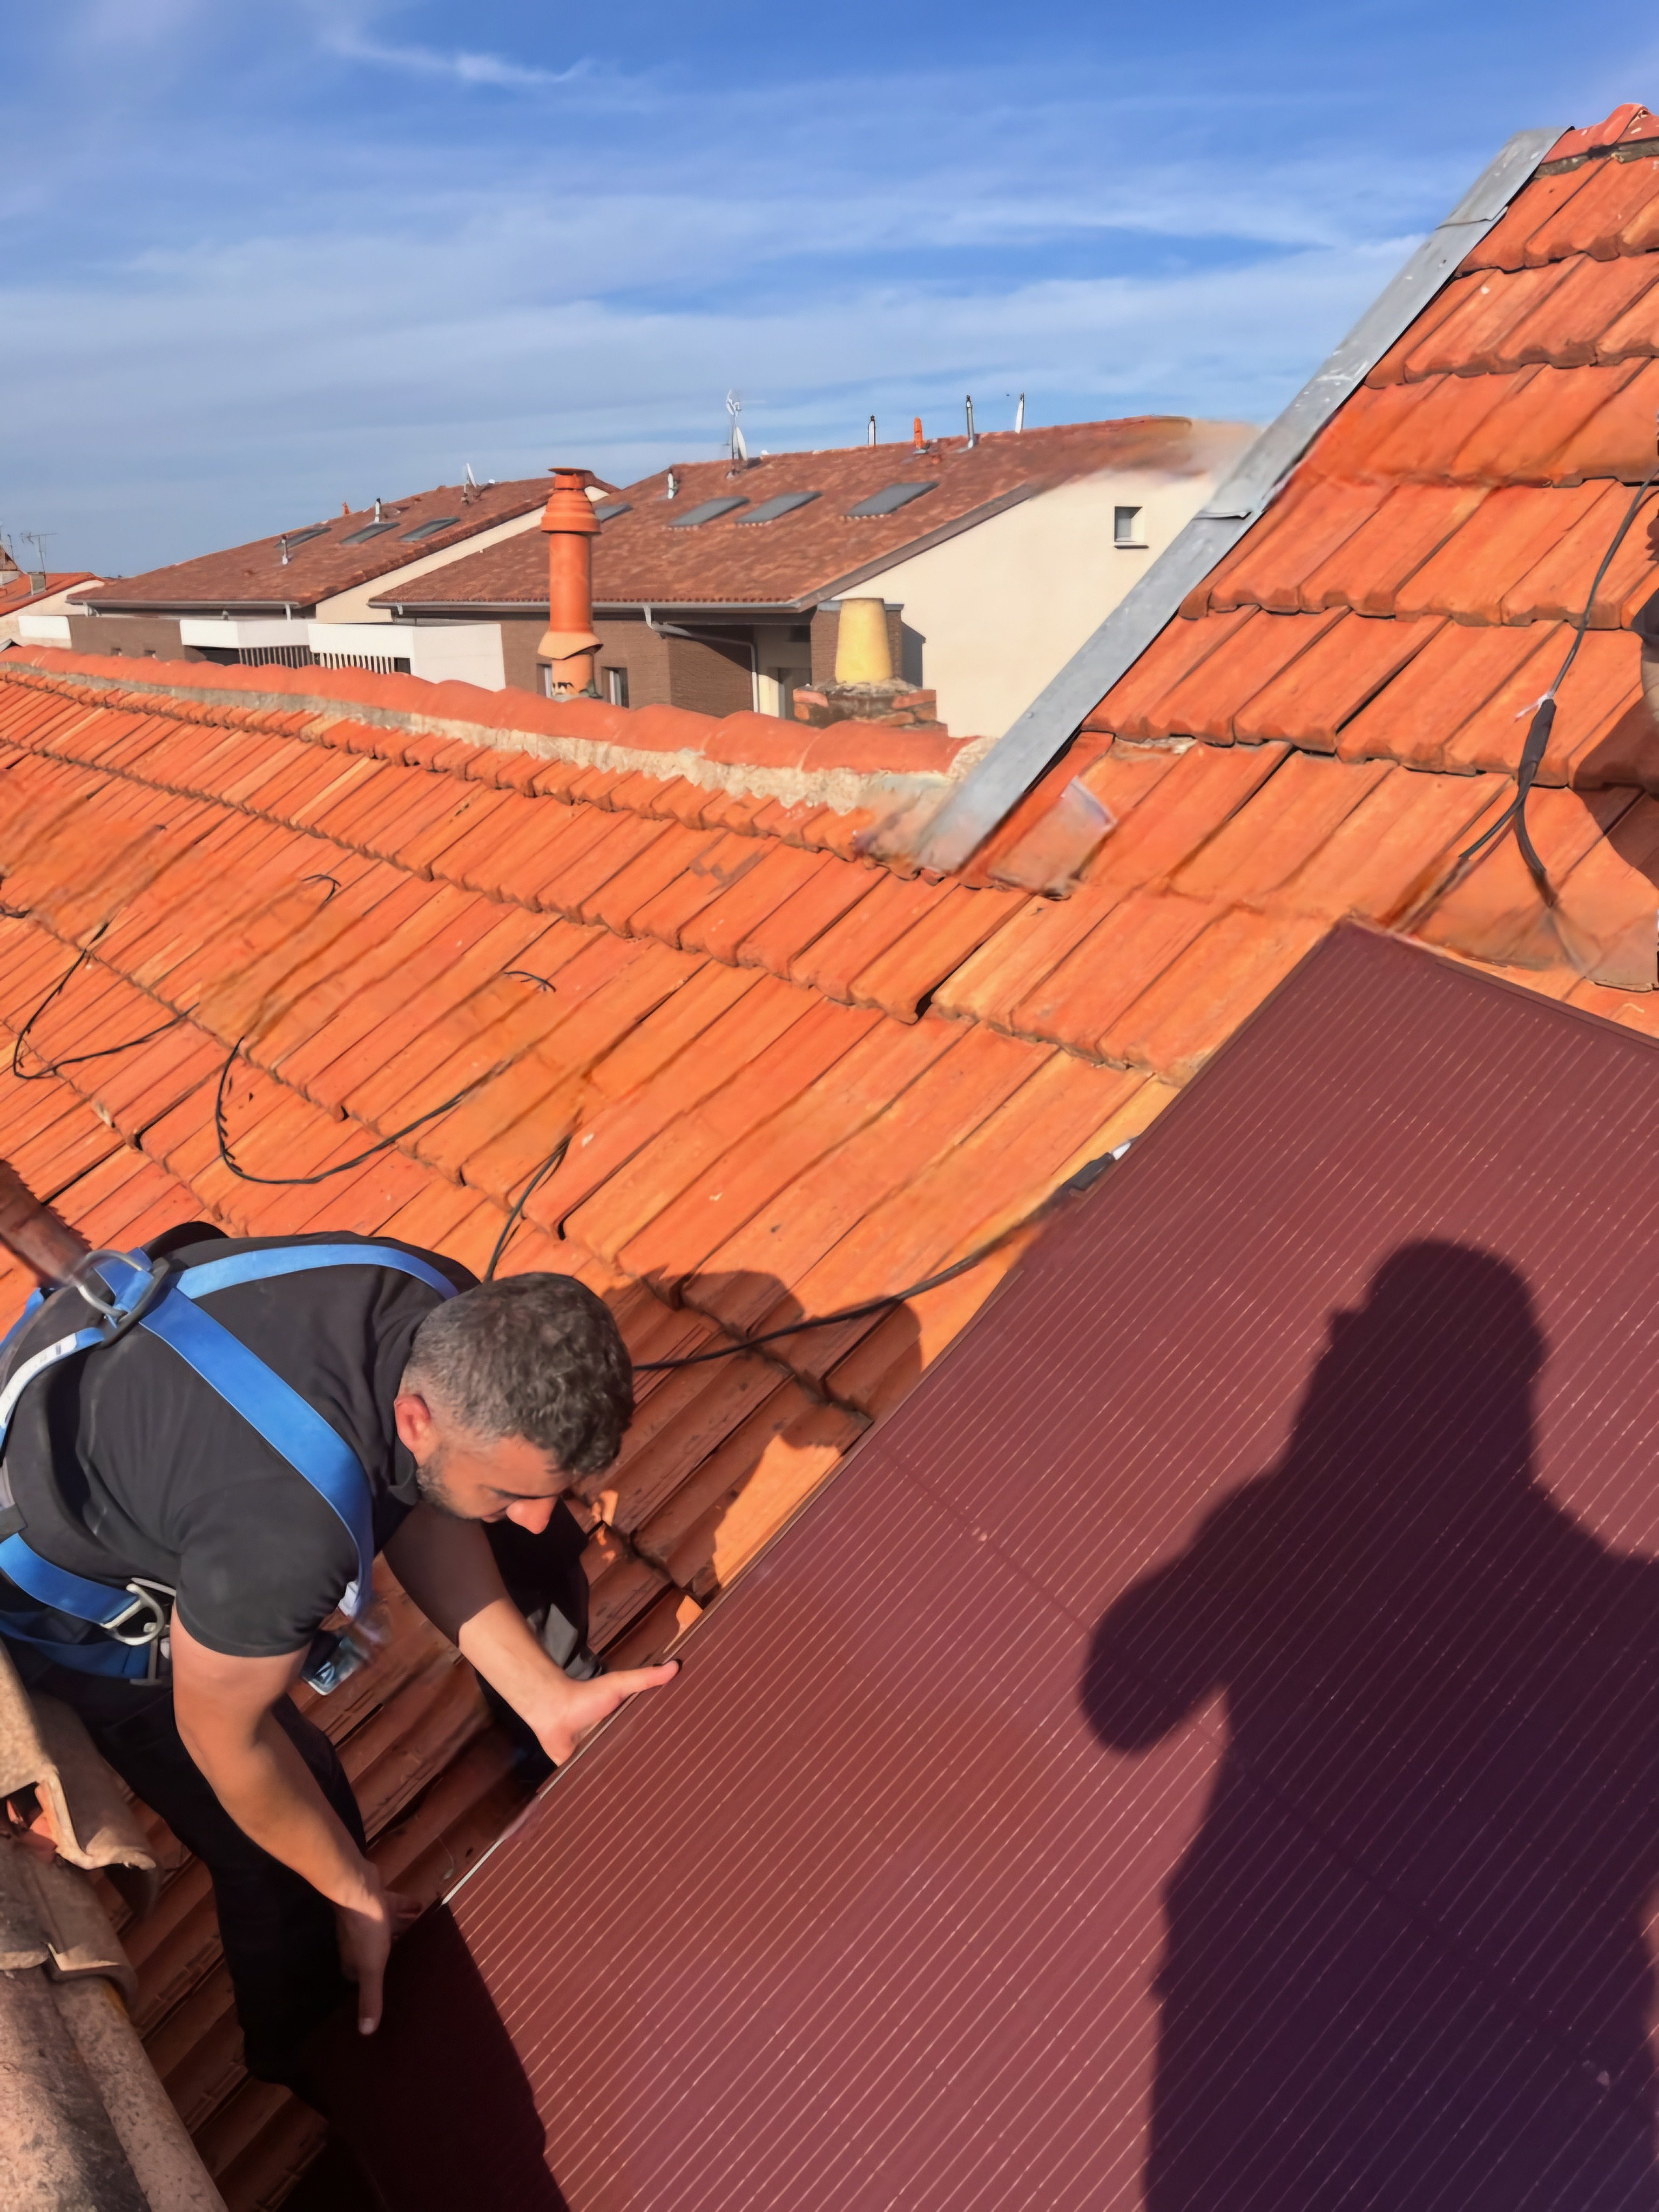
{"x":208,"y":1442}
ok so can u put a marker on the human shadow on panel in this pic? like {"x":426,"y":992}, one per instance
{"x":1405,"y":1963}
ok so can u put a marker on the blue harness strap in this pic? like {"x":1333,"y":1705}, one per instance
{"x":294,"y":1428}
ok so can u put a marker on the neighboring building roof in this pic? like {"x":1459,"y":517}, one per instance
{"x":16,"y":591}
{"x":758,"y":552}
{"x":324,"y":557}
{"x":795,"y":1077}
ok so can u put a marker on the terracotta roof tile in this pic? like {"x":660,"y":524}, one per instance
{"x":1415,"y":718}
{"x":1489,"y":306}
{"x":1614,"y":196}
{"x":1514,"y":524}
{"x":1319,"y":516}
{"x":1368,"y":570}
{"x":1325,"y":687}
{"x":1197,"y":706}
{"x":1086,"y":992}
{"x":1618,"y":439}
{"x":1571,"y":326}
{"x":1280,"y":830}
{"x":1130,"y":707}
{"x":1545,"y":198}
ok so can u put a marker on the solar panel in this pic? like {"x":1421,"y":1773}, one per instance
{"x":887,"y":500}
{"x":368,"y":530}
{"x":1198,"y":1752}
{"x":786,"y":502}
{"x":429,"y":529}
{"x":707,"y":512}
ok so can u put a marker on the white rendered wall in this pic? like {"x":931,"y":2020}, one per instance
{"x":1001,"y":608}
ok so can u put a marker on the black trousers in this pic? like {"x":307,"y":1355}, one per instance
{"x":278,"y":1932}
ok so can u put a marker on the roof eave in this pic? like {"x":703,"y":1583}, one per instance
{"x":1026,"y":749}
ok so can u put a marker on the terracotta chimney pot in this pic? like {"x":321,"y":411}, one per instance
{"x":863,"y":653}
{"x":569,"y":644}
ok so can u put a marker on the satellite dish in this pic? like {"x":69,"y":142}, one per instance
{"x":740,"y":443}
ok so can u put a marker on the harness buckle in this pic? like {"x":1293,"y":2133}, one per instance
{"x":117,"y":1309}
{"x":151,"y":1604}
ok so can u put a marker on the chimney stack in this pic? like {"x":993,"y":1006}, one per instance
{"x":569,"y":644}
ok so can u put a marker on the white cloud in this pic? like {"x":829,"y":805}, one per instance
{"x":426,"y":61}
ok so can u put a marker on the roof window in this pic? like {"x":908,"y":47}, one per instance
{"x":887,"y":500}
{"x":785,"y":503}
{"x":708,"y":511}
{"x":430,"y":529}
{"x":613,"y":507}
{"x":368,"y":530}
{"x":293,"y":538}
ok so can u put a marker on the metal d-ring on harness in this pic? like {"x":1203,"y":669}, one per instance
{"x":128,"y":1290}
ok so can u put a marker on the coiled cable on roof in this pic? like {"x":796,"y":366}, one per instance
{"x":74,"y":1059}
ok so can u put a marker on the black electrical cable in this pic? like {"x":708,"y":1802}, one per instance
{"x":341,"y":1167}
{"x":1090,"y":1172}
{"x":49,"y":1067}
{"x":523,"y":1200}
{"x":1543,"y":718}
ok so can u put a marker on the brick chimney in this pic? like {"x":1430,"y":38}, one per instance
{"x":568,"y":645}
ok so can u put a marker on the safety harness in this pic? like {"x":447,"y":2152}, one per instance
{"x":129,"y":1290}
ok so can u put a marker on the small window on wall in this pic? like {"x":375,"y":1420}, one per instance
{"x":1126,"y":526}
{"x":616,"y":686}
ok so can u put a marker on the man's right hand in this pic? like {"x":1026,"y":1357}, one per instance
{"x":367,"y":1930}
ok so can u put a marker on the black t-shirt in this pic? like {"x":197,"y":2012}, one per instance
{"x":123,"y":1461}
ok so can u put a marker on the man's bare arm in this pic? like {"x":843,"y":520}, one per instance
{"x":446,"y":1566}
{"x":223,"y":1708}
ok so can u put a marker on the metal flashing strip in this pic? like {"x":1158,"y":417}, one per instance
{"x":1026,"y":749}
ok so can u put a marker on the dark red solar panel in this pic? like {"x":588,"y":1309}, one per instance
{"x":1202,"y":1752}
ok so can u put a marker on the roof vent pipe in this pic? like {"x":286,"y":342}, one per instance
{"x":569,"y":644}
{"x":282,"y":541}
{"x":379,"y":517}
{"x":1019,"y":413}
{"x":973,"y":439}
{"x":871,"y":440}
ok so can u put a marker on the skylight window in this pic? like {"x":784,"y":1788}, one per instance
{"x":298,"y":536}
{"x":368,"y":530}
{"x":887,"y":500}
{"x":430,"y":529}
{"x":613,"y":507}
{"x":708,"y":511}
{"x":785,"y":503}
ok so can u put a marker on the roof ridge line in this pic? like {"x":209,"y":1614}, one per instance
{"x":843,"y":788}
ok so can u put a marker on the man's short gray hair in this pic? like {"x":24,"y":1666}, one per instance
{"x":533,"y":1356}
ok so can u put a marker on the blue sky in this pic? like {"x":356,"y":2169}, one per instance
{"x":259,"y":260}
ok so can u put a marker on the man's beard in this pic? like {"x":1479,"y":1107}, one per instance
{"x":434,"y":1492}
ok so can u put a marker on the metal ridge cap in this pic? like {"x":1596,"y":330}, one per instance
{"x":1031,"y":743}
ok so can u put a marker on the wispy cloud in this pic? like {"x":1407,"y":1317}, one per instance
{"x":313,"y":265}
{"x":462,"y":67}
